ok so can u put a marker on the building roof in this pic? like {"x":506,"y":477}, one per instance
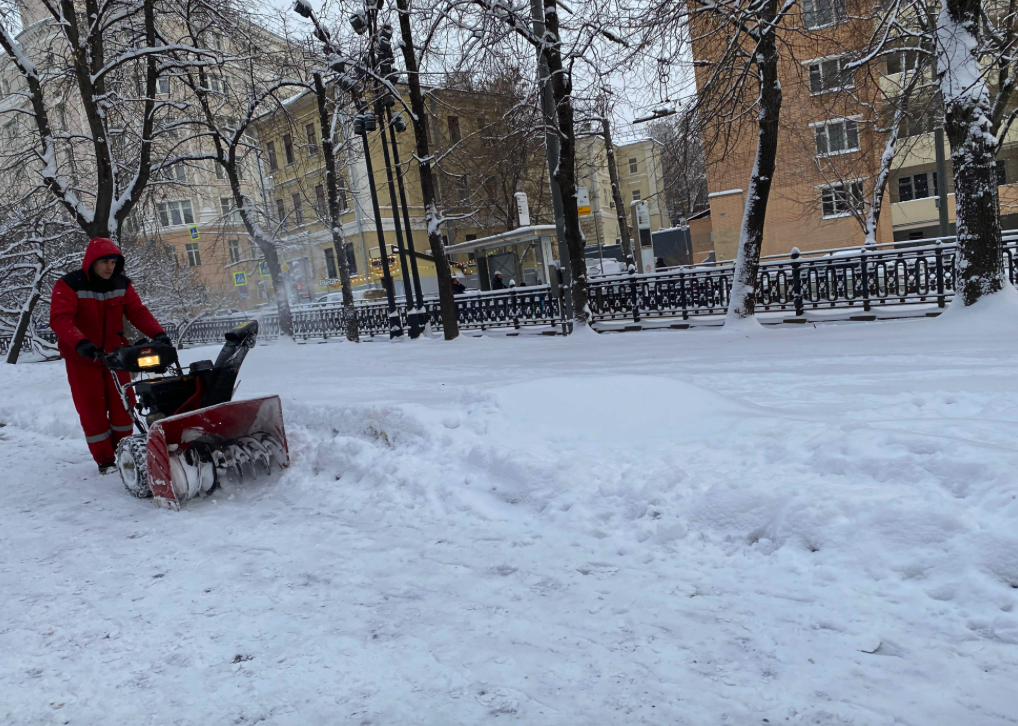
{"x":515,"y":236}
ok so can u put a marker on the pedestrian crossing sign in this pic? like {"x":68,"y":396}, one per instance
{"x":239,"y":278}
{"x":263,"y":269}
{"x":194,"y":232}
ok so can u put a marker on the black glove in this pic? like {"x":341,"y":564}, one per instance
{"x":162,"y":338}
{"x":87,"y":349}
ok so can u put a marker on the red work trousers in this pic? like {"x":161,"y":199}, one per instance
{"x":102,"y":414}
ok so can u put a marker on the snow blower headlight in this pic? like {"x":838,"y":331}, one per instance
{"x":149,"y":361}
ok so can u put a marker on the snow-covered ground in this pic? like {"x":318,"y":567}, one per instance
{"x":814,"y":525}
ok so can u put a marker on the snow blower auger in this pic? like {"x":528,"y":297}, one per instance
{"x":192,"y":435}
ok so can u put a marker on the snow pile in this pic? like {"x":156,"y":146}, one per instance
{"x":812,"y":526}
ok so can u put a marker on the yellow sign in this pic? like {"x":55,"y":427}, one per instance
{"x":263,"y":269}
{"x":239,"y":279}
{"x":194,"y":232}
{"x":286,"y":267}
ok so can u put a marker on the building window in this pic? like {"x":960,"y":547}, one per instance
{"x":836,"y":137}
{"x":175,"y":213}
{"x":298,"y":210}
{"x":920,"y":123}
{"x":819,"y":13}
{"x":218,"y":85}
{"x":840,"y":200}
{"x":330,"y":264}
{"x":280,"y":210}
{"x":321,"y":209}
{"x":193,"y":255}
{"x":229,"y":211}
{"x":288,"y":148}
{"x":462,"y":192}
{"x":270,"y":149}
{"x":905,"y":60}
{"x":636,"y":195}
{"x":219,"y":170}
{"x":916,"y":186}
{"x":312,"y":140}
{"x":454,"y":129}
{"x":1001,"y":169}
{"x":164,"y":85}
{"x":829,"y":75}
{"x":173,"y":172}
{"x":634,"y":166}
{"x":234,"y":245}
{"x":351,"y":259}
{"x":341,"y":192}
{"x":169,"y":126}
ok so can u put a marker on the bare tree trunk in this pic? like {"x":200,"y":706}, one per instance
{"x":335,"y":223}
{"x":742,"y":302}
{"x":973,"y":151}
{"x":565,"y":173}
{"x":443,"y":273}
{"x":613,"y":175}
{"x":880,"y":183}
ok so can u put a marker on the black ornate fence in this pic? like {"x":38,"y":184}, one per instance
{"x":864,"y":279}
{"x":517,"y":307}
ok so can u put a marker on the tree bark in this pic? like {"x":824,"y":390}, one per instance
{"x":443,"y":273}
{"x":969,"y":129}
{"x":613,"y":175}
{"x":742,"y":302}
{"x":335,"y":223}
{"x":565,"y":173}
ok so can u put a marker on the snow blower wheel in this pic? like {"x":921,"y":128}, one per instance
{"x":132,"y":467}
{"x":192,"y":434}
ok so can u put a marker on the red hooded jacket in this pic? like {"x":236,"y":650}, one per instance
{"x":86,"y":307}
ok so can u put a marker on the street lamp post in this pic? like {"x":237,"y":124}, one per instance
{"x":381,"y":41}
{"x":397,"y":225}
{"x":364,"y":121}
{"x":396,"y":124}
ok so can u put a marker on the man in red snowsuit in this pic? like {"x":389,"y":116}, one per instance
{"x":87,"y":314}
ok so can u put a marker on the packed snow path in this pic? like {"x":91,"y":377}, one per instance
{"x":807,"y":526}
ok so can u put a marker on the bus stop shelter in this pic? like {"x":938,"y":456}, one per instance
{"x":524,"y":255}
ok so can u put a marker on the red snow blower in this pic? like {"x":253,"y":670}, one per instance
{"x":193,"y":436}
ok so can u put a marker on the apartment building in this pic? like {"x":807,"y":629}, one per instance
{"x":641,"y":178}
{"x":828,"y":150}
{"x":481,"y":164}
{"x":827,"y":155}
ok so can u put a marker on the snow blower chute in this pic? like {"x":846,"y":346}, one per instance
{"x":193,"y":436}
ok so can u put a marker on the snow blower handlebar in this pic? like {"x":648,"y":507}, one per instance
{"x":142,"y":357}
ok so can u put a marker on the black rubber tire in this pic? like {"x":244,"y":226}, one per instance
{"x":131,"y":458}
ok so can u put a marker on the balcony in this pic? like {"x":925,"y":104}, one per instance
{"x":924,"y":211}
